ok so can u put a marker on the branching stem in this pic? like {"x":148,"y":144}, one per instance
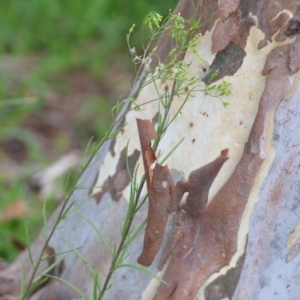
{"x":136,"y":201}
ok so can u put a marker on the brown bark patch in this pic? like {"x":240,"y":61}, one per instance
{"x":210,"y":242}
{"x":199,"y":183}
{"x":271,"y":17}
{"x":154,"y":120}
{"x":158,"y":204}
{"x":224,"y":286}
{"x":293,"y":28}
{"x":158,"y":181}
{"x":116,"y":184}
{"x":232,"y":29}
{"x":226,"y":7}
{"x":112,"y":147}
{"x":225,"y":31}
{"x":243,"y":31}
{"x":279,"y":24}
{"x":164,"y":196}
{"x":226,"y":62}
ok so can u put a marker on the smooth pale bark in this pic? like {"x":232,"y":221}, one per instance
{"x":246,"y":244}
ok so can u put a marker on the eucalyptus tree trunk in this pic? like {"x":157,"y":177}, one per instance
{"x":244,"y":243}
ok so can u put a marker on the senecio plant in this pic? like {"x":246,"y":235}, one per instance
{"x":184,"y":36}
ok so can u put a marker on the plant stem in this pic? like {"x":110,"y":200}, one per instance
{"x":120,"y":248}
{"x":137,"y":197}
{"x":54,"y":227}
{"x":113,"y":127}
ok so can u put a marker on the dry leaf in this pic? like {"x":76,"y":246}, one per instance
{"x":16,"y":210}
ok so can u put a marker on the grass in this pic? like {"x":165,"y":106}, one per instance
{"x":13,"y":229}
{"x":57,"y":58}
{"x":86,"y":34}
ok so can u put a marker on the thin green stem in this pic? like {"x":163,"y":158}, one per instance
{"x":58,"y":219}
{"x":174,"y":26}
{"x":136,"y":201}
{"x":121,"y":245}
{"x":167,"y":110}
{"x":54,"y":228}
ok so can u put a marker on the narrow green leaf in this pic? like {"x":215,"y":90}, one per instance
{"x":70,"y":285}
{"x":44,"y":273}
{"x":78,"y":186}
{"x":45,"y":220}
{"x":65,"y":213}
{"x":61,"y":253}
{"x":28,"y":247}
{"x":81,"y":258}
{"x":75,"y":251}
{"x":171,"y":152}
{"x":136,"y":186}
{"x":143,"y":269}
{"x":68,"y":211}
{"x":131,"y":238}
{"x":87,"y":148}
{"x":100,"y":235}
{"x":130,"y":209}
{"x":142,"y":203}
{"x":97,"y":146}
{"x":96,"y":287}
{"x":66,"y":183}
{"x":127,"y":164}
{"x":179,"y":110}
{"x":21,"y":281}
{"x":78,"y":206}
{"x":114,"y":250}
{"x":34,"y":286}
{"x":121,"y":258}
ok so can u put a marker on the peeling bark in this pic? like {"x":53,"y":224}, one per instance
{"x":164,"y":196}
{"x":115,"y":184}
{"x":237,"y":235}
{"x":199,"y":183}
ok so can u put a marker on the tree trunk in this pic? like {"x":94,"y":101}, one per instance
{"x":245,"y":244}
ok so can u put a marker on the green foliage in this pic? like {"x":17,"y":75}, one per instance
{"x":72,"y":31}
{"x":63,"y":35}
{"x":13,"y":230}
{"x":184,"y":35}
{"x":84,"y":35}
{"x":153,"y":22}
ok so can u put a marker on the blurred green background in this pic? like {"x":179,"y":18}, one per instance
{"x":63,"y":65}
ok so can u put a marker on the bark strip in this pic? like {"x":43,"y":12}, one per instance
{"x":199,"y":183}
{"x":164,"y":196}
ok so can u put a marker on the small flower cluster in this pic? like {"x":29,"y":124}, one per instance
{"x":146,"y":62}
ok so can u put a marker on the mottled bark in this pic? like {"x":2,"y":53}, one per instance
{"x":245,"y":244}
